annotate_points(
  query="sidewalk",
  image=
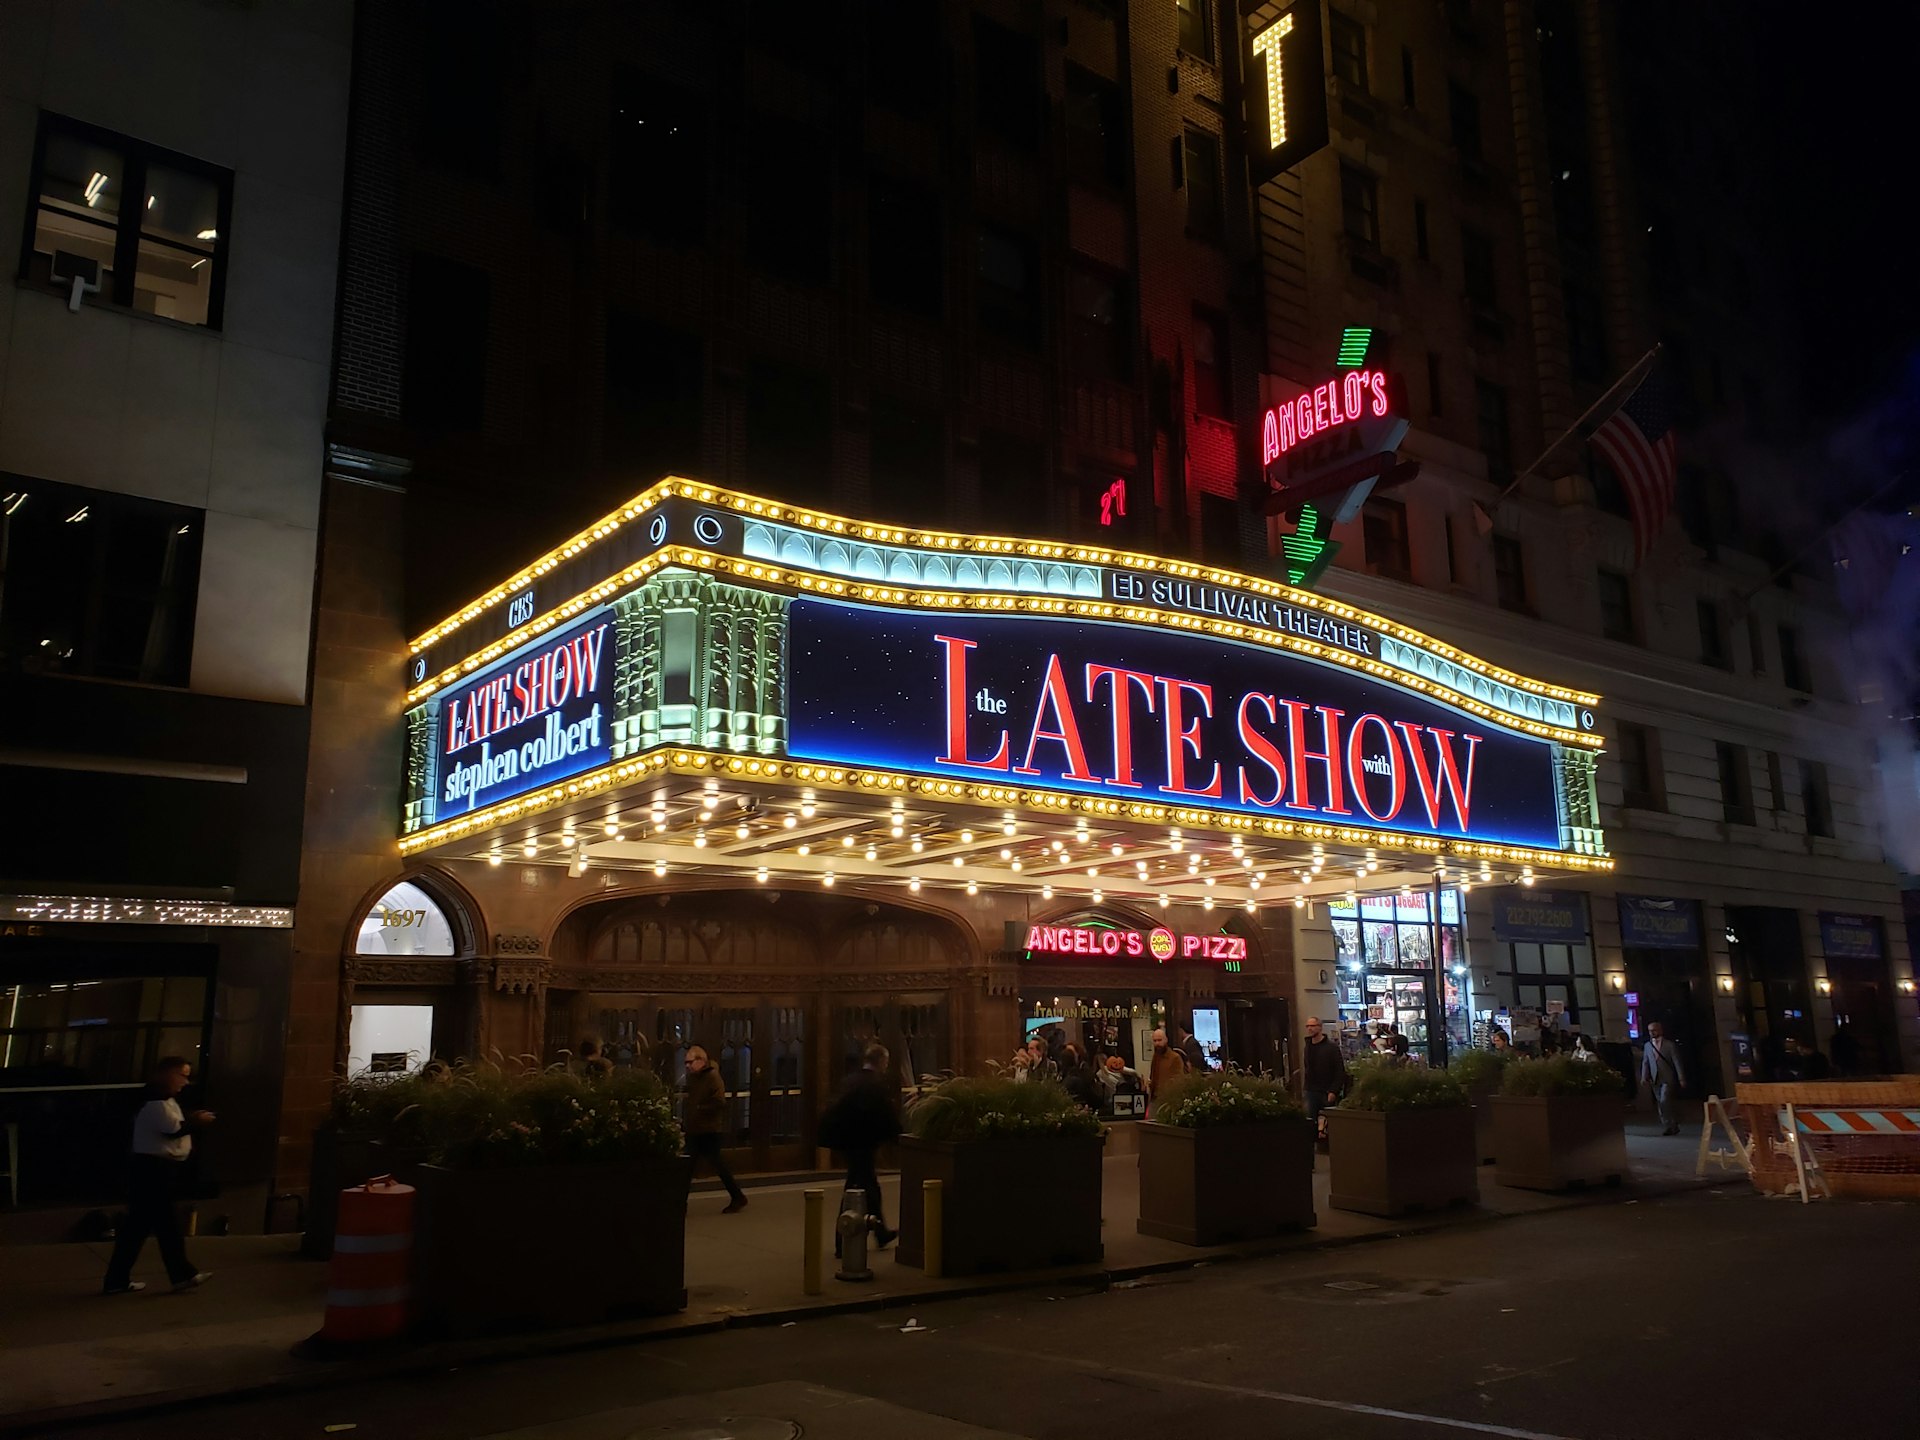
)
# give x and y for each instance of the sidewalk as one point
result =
(66, 1351)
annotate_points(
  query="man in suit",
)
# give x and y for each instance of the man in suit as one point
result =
(1660, 1067)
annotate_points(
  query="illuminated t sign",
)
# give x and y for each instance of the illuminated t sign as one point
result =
(1286, 88)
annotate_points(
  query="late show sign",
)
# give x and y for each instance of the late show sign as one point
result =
(541, 715)
(1159, 944)
(1173, 718)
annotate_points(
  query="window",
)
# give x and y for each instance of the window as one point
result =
(657, 159)
(443, 375)
(1496, 441)
(1201, 164)
(1360, 206)
(1756, 645)
(1463, 119)
(789, 426)
(1536, 975)
(1642, 777)
(906, 247)
(1793, 668)
(1096, 130)
(1013, 473)
(1776, 786)
(97, 583)
(1406, 76)
(1713, 635)
(907, 462)
(789, 230)
(1196, 28)
(145, 225)
(1212, 370)
(1815, 799)
(1477, 268)
(1616, 606)
(651, 418)
(106, 1029)
(1436, 392)
(1509, 573)
(1007, 295)
(1349, 50)
(1383, 530)
(1006, 83)
(1736, 782)
(1099, 324)
(1219, 529)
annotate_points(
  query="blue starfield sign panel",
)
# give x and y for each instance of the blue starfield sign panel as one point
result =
(1170, 718)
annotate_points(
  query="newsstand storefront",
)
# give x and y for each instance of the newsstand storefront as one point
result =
(723, 771)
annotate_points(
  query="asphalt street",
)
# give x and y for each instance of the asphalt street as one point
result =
(1710, 1314)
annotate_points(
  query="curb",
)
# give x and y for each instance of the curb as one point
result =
(446, 1355)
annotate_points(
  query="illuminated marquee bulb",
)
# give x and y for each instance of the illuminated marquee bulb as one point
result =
(827, 879)
(1017, 866)
(918, 845)
(700, 840)
(790, 822)
(1207, 904)
(1267, 45)
(760, 875)
(566, 842)
(1093, 872)
(1046, 892)
(1008, 828)
(1164, 902)
(914, 884)
(872, 854)
(530, 849)
(1119, 849)
(1006, 854)
(966, 837)
(972, 888)
(807, 810)
(1299, 902)
(741, 832)
(1058, 845)
(613, 826)
(847, 841)
(1098, 897)
(898, 831)
(495, 858)
(659, 867)
(958, 862)
(806, 850)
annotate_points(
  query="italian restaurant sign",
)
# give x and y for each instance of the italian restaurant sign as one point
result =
(742, 628)
(1159, 944)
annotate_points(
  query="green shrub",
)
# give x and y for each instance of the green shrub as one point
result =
(491, 1117)
(1480, 1070)
(1223, 1097)
(1384, 1085)
(982, 1107)
(1561, 1075)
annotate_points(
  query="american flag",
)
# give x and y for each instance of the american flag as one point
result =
(1637, 442)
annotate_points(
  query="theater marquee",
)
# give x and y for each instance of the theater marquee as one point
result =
(700, 627)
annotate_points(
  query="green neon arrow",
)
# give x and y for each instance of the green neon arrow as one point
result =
(1308, 550)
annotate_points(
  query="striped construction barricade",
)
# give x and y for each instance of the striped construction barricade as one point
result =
(370, 1284)
(1857, 1139)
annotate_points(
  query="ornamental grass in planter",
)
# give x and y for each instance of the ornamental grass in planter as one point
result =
(1479, 1073)
(546, 1197)
(370, 1130)
(1560, 1122)
(1226, 1157)
(1401, 1140)
(1019, 1165)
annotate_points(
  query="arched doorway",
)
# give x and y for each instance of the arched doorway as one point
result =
(781, 988)
(402, 999)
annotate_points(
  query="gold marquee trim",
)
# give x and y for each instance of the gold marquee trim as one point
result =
(757, 507)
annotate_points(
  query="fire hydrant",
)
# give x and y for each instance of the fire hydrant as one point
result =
(852, 1227)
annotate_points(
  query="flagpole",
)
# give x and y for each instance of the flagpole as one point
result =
(1636, 372)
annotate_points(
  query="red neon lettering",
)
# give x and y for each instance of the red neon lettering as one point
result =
(1337, 402)
(1034, 940)
(586, 658)
(1134, 943)
(1269, 439)
(1378, 384)
(1321, 418)
(1054, 693)
(1351, 388)
(1190, 944)
(1181, 737)
(1329, 756)
(1122, 716)
(1357, 769)
(1110, 941)
(957, 711)
(1263, 750)
(1448, 779)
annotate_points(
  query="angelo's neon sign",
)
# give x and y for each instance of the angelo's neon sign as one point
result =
(1356, 395)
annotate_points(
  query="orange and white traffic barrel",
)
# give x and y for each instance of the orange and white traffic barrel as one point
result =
(370, 1284)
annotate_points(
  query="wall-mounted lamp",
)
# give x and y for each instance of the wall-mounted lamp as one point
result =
(1726, 983)
(1616, 980)
(1906, 987)
(1824, 985)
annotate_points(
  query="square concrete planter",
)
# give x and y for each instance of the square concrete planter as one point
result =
(1011, 1204)
(1226, 1182)
(1549, 1142)
(546, 1245)
(1387, 1162)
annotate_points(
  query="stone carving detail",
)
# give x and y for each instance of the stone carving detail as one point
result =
(408, 970)
(522, 977)
(663, 982)
(517, 945)
(1002, 973)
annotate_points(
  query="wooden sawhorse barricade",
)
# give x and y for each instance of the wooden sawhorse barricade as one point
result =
(1858, 1138)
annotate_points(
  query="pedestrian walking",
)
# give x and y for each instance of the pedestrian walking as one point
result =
(862, 1118)
(1166, 1063)
(1660, 1067)
(162, 1140)
(1190, 1051)
(705, 1119)
(1325, 1072)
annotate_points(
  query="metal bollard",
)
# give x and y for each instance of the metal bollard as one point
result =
(932, 1227)
(816, 1212)
(853, 1226)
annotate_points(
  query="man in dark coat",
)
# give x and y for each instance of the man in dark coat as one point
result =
(1325, 1071)
(861, 1119)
